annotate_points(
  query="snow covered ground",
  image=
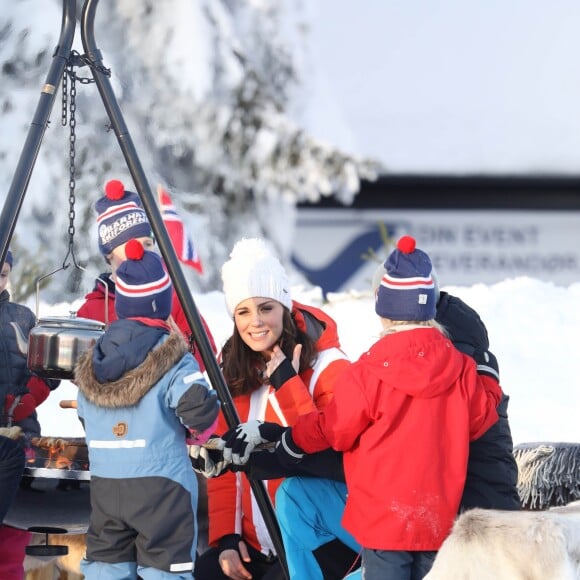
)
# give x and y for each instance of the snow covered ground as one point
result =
(532, 327)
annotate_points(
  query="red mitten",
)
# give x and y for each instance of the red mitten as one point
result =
(24, 406)
(38, 392)
(38, 389)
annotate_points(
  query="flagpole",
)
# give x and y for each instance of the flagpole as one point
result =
(182, 243)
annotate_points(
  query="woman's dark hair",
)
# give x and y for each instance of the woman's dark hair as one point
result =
(243, 368)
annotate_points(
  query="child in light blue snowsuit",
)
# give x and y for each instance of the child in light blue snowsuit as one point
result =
(141, 393)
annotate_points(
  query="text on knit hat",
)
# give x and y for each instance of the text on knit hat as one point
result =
(120, 217)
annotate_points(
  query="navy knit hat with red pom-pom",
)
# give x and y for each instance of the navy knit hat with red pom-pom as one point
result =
(121, 217)
(407, 289)
(142, 287)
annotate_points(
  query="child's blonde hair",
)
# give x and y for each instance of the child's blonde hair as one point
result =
(428, 323)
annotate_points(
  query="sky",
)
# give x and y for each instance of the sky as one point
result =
(532, 327)
(452, 86)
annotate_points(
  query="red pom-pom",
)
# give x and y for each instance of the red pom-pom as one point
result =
(407, 244)
(115, 189)
(134, 250)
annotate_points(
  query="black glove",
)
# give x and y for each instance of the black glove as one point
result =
(284, 372)
(287, 451)
(207, 462)
(241, 440)
(230, 542)
(486, 364)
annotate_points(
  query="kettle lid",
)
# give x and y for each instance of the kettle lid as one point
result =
(71, 322)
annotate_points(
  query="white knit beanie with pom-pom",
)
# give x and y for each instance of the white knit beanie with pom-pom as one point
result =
(253, 272)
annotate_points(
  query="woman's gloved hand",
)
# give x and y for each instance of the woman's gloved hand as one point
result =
(239, 442)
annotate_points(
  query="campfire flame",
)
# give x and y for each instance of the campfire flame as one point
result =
(56, 453)
(56, 459)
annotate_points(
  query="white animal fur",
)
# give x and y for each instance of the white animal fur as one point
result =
(507, 545)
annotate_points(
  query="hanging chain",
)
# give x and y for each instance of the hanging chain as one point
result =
(64, 97)
(69, 107)
(69, 97)
(72, 123)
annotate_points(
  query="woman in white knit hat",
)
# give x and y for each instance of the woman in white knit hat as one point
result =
(281, 361)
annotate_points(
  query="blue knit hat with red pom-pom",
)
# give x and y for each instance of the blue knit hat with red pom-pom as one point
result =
(407, 289)
(142, 286)
(121, 217)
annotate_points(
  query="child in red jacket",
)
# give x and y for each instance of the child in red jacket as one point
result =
(121, 218)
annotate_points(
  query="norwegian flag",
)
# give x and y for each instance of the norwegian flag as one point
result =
(180, 239)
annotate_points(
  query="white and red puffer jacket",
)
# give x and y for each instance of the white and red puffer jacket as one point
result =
(232, 509)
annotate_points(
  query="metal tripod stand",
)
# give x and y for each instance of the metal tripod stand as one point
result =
(21, 179)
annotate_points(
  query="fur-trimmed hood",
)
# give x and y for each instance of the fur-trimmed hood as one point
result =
(130, 388)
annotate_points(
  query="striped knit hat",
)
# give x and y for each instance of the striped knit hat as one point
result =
(407, 289)
(143, 287)
(120, 217)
